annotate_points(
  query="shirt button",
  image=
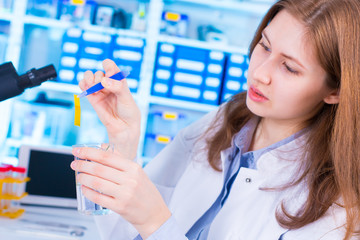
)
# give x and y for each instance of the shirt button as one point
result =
(248, 180)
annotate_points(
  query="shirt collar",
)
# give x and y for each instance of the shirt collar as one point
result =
(242, 139)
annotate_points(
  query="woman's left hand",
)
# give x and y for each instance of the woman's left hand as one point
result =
(122, 186)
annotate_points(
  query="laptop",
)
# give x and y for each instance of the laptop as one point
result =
(52, 181)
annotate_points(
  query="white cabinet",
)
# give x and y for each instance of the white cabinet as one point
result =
(211, 26)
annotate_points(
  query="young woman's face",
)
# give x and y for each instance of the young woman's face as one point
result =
(285, 81)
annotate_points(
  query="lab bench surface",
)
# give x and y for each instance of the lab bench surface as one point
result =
(39, 223)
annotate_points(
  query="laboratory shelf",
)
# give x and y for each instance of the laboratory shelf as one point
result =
(5, 16)
(201, 107)
(60, 87)
(235, 19)
(118, 31)
(253, 7)
(46, 22)
(70, 88)
(201, 44)
(54, 23)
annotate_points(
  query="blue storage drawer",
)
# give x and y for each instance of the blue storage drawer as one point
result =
(233, 86)
(166, 122)
(217, 57)
(213, 82)
(94, 52)
(234, 71)
(67, 75)
(96, 39)
(73, 35)
(210, 96)
(185, 93)
(128, 43)
(237, 59)
(190, 53)
(154, 143)
(70, 48)
(163, 75)
(93, 65)
(188, 79)
(189, 65)
(235, 76)
(164, 61)
(215, 69)
(95, 45)
(166, 49)
(68, 61)
(160, 88)
(132, 57)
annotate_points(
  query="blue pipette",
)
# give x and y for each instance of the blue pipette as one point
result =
(97, 87)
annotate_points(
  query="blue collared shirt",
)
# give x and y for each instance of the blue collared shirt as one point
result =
(239, 157)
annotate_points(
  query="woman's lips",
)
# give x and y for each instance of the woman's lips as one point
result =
(256, 95)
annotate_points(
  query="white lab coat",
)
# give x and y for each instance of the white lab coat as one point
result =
(190, 186)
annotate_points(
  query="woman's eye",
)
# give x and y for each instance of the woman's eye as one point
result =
(290, 69)
(264, 46)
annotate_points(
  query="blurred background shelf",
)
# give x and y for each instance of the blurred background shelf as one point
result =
(182, 104)
(246, 7)
(55, 23)
(5, 16)
(186, 58)
(60, 87)
(202, 44)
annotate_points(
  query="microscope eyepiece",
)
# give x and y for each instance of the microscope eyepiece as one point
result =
(35, 77)
(11, 84)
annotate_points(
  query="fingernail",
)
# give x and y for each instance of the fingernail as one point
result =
(73, 165)
(76, 151)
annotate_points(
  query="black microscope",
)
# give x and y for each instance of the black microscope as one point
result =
(11, 84)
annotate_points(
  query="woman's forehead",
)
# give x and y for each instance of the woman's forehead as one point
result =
(289, 36)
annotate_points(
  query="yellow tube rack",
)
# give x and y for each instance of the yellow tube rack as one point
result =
(8, 212)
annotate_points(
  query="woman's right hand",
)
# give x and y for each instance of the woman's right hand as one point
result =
(115, 107)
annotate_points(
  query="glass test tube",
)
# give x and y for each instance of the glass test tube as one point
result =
(7, 186)
(85, 206)
(18, 173)
(3, 173)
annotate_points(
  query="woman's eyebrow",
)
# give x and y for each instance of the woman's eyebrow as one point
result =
(263, 33)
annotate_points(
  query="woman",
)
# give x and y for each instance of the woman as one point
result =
(281, 161)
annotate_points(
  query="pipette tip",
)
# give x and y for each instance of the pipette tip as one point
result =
(125, 73)
(83, 94)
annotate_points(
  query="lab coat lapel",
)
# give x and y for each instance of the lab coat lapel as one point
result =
(249, 213)
(196, 191)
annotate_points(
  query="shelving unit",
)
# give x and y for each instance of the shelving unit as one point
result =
(19, 19)
(201, 44)
(6, 16)
(249, 7)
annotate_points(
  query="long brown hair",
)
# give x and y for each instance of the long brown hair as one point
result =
(332, 165)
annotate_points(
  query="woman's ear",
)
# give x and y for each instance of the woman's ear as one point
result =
(333, 97)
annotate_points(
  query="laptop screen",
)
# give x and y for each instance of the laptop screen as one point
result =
(52, 181)
(51, 175)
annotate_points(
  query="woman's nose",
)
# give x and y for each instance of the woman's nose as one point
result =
(262, 72)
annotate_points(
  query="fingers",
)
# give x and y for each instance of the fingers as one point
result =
(115, 86)
(87, 81)
(110, 67)
(98, 184)
(100, 171)
(98, 76)
(108, 201)
(105, 158)
(112, 85)
(90, 79)
(96, 197)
